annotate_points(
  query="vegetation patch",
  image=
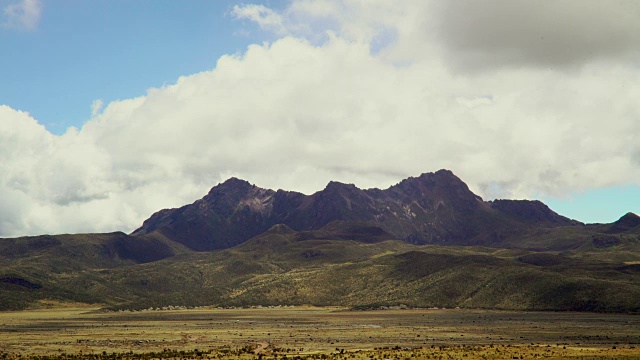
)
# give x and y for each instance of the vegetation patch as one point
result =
(24, 283)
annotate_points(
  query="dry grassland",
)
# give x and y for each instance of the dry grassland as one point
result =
(310, 332)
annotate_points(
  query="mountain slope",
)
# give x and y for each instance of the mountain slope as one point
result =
(32, 268)
(434, 208)
(282, 267)
(343, 263)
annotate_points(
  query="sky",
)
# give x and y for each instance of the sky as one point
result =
(111, 110)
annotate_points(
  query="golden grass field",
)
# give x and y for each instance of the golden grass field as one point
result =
(312, 332)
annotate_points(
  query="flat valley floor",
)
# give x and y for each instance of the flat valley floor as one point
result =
(313, 332)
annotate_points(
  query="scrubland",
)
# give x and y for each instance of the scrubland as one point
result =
(316, 333)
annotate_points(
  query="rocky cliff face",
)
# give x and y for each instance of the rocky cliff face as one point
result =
(434, 208)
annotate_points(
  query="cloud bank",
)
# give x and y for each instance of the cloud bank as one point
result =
(566, 33)
(362, 94)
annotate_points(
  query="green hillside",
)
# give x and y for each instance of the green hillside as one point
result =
(325, 267)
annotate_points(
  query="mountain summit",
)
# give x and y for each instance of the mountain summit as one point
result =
(433, 208)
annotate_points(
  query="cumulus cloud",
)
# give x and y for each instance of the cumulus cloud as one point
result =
(355, 107)
(24, 14)
(59, 184)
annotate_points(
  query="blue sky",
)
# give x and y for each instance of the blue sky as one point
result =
(147, 104)
(598, 205)
(82, 51)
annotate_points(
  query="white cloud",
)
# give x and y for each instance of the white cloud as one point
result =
(96, 106)
(24, 14)
(357, 107)
(263, 16)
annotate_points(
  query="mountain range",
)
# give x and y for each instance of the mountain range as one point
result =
(426, 241)
(434, 208)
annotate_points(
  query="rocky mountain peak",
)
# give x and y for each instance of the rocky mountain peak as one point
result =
(231, 185)
(337, 186)
(440, 181)
(225, 197)
(436, 189)
(431, 208)
(338, 189)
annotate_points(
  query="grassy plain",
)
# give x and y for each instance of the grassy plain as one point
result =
(313, 332)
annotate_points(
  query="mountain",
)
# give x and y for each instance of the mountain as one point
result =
(434, 208)
(426, 241)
